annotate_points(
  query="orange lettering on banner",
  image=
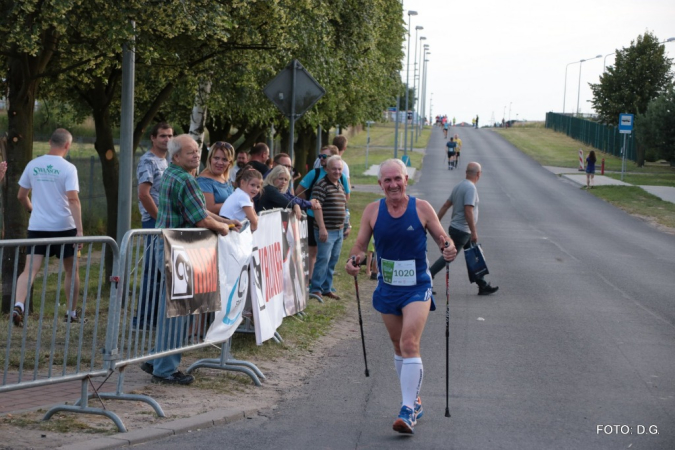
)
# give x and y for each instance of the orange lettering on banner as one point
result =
(205, 268)
(272, 269)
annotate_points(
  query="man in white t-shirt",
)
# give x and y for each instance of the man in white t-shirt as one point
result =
(55, 212)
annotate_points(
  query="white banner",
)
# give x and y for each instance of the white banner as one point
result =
(295, 298)
(234, 253)
(266, 274)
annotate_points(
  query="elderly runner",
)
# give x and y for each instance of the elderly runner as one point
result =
(403, 295)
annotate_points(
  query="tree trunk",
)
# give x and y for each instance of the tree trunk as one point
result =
(21, 97)
(199, 112)
(110, 169)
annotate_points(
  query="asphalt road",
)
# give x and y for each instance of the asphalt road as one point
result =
(580, 335)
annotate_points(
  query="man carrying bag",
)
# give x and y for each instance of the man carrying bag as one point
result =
(462, 228)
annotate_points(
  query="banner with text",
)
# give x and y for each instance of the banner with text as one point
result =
(266, 274)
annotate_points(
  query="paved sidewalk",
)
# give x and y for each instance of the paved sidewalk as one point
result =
(666, 193)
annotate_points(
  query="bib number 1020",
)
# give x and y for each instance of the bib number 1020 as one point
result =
(399, 273)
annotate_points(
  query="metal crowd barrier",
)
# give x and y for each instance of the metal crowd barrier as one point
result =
(47, 349)
(134, 334)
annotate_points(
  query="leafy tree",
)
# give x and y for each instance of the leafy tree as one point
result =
(639, 74)
(656, 127)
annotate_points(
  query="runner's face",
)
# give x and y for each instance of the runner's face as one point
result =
(393, 182)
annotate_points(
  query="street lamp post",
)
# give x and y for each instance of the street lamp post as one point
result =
(566, 67)
(407, 87)
(414, 91)
(579, 85)
(424, 87)
(419, 87)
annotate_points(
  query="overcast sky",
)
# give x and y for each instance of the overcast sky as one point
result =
(486, 57)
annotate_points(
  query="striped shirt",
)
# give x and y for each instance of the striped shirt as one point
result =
(181, 201)
(333, 203)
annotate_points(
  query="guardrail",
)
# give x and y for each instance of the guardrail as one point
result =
(134, 335)
(47, 350)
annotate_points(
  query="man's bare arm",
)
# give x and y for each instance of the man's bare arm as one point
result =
(146, 199)
(468, 213)
(24, 199)
(444, 209)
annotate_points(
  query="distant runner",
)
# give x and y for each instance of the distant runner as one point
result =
(458, 150)
(452, 145)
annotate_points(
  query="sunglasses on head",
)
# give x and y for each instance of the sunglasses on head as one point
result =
(221, 144)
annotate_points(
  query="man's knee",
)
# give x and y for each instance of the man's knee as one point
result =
(409, 346)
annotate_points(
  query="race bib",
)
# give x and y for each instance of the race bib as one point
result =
(399, 273)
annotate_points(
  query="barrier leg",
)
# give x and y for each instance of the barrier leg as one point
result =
(120, 395)
(82, 407)
(225, 362)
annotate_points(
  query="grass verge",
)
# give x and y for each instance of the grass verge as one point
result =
(380, 149)
(550, 148)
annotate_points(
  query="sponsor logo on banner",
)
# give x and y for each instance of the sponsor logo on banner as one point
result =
(234, 254)
(191, 258)
(182, 274)
(236, 298)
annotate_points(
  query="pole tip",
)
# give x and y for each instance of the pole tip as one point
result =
(447, 413)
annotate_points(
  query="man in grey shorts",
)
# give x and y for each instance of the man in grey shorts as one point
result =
(462, 228)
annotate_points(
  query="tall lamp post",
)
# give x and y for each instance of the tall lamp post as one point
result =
(407, 87)
(579, 85)
(414, 92)
(565, 90)
(419, 87)
(424, 88)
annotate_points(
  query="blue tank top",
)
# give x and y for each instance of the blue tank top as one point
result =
(401, 239)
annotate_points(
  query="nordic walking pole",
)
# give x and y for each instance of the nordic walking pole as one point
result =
(447, 337)
(358, 303)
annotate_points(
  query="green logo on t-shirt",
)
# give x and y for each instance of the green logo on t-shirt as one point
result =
(49, 170)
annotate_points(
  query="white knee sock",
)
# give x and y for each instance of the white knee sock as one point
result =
(398, 362)
(412, 373)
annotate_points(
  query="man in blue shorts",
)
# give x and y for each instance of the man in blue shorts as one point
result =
(399, 224)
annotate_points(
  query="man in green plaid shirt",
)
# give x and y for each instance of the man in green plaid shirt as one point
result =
(181, 205)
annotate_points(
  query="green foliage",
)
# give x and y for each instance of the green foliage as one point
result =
(639, 74)
(656, 127)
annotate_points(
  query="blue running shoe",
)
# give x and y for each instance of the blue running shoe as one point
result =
(405, 423)
(419, 411)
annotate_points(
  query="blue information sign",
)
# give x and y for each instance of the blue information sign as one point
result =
(626, 123)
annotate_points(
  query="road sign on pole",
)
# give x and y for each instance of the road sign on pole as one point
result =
(294, 91)
(626, 123)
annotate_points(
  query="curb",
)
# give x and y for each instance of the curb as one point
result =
(159, 431)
